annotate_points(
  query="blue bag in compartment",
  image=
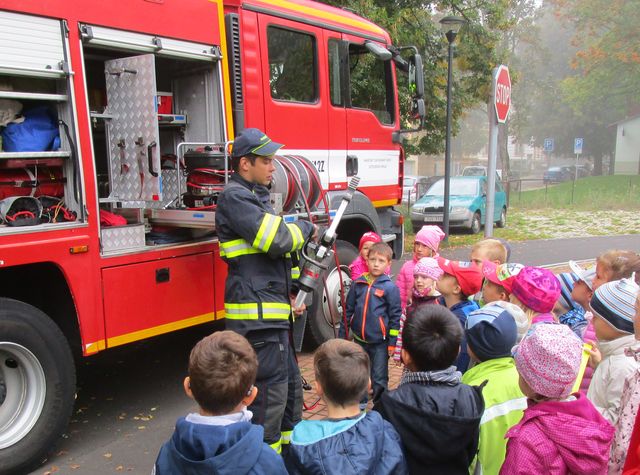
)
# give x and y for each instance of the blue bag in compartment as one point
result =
(38, 133)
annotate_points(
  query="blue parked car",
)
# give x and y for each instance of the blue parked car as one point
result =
(468, 202)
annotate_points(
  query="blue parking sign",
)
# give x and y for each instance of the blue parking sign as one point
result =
(548, 145)
(577, 145)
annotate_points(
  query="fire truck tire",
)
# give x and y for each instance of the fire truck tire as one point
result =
(37, 386)
(326, 311)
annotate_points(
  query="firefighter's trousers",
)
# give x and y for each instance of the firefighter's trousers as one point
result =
(278, 406)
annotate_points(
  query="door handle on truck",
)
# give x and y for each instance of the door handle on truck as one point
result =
(352, 165)
(150, 148)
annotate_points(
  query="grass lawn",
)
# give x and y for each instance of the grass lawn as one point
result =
(591, 193)
(602, 205)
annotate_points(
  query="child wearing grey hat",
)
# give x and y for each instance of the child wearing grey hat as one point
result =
(613, 307)
(491, 333)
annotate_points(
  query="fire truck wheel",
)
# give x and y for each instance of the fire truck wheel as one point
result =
(326, 311)
(37, 386)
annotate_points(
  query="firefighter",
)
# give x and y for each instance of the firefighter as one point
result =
(258, 246)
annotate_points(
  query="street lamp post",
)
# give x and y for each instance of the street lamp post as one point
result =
(450, 26)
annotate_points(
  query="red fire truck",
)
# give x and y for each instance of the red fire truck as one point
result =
(116, 119)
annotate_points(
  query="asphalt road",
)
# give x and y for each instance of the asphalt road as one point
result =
(129, 397)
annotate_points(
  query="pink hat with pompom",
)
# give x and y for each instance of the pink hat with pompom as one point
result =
(430, 236)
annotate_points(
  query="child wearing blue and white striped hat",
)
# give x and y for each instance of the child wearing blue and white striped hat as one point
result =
(613, 307)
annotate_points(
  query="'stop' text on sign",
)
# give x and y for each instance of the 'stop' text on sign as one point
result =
(502, 93)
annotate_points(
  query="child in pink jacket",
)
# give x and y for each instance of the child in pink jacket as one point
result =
(359, 266)
(559, 433)
(425, 244)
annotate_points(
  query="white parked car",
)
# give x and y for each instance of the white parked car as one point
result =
(413, 187)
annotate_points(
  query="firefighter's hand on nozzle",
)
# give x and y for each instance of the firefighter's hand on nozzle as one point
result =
(297, 311)
(314, 236)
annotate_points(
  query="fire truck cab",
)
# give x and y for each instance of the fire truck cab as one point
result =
(116, 120)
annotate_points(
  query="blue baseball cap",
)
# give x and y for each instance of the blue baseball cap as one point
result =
(254, 141)
(491, 332)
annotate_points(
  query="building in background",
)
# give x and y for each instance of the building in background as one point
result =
(627, 154)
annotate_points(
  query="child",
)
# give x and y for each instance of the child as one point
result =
(567, 310)
(559, 433)
(613, 307)
(220, 437)
(497, 280)
(459, 281)
(425, 274)
(348, 441)
(373, 315)
(616, 265)
(491, 333)
(490, 249)
(425, 245)
(536, 291)
(359, 266)
(436, 415)
(623, 441)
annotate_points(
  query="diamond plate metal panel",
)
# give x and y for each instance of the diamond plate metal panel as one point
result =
(133, 131)
(118, 238)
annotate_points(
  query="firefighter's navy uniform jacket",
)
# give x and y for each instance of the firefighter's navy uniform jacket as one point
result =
(257, 245)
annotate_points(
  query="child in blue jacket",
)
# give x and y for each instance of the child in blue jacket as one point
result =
(220, 437)
(373, 315)
(348, 440)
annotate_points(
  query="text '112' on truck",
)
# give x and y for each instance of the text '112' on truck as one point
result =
(116, 121)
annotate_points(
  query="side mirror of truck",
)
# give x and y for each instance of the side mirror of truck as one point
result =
(416, 76)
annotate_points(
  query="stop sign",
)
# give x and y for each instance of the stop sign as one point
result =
(502, 93)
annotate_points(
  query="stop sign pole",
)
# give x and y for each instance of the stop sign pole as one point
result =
(501, 98)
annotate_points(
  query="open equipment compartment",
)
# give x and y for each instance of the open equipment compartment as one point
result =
(37, 161)
(146, 96)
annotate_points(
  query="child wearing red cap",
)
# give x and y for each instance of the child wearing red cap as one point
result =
(426, 244)
(459, 281)
(359, 266)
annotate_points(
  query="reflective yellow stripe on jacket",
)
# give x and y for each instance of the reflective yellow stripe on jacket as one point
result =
(249, 311)
(237, 247)
(296, 237)
(276, 310)
(241, 311)
(267, 232)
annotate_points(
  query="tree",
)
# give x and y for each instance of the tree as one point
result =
(415, 22)
(561, 97)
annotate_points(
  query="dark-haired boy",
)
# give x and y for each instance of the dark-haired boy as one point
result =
(349, 440)
(373, 315)
(459, 281)
(220, 437)
(436, 415)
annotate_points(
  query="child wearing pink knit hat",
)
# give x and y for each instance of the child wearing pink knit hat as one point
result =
(425, 274)
(559, 432)
(426, 244)
(359, 266)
